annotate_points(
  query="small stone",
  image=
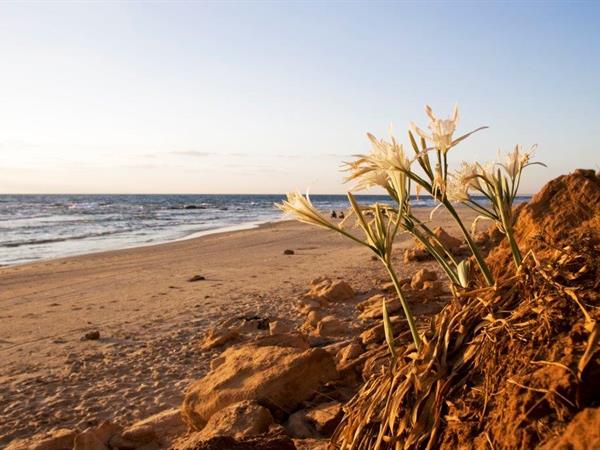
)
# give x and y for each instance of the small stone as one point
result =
(288, 252)
(350, 352)
(278, 327)
(421, 276)
(325, 417)
(91, 336)
(215, 337)
(196, 278)
(331, 326)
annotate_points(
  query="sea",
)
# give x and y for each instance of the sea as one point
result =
(39, 227)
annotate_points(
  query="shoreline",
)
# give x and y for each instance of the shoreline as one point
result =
(194, 235)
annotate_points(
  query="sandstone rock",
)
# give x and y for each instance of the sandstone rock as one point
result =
(298, 427)
(448, 241)
(278, 327)
(582, 433)
(288, 252)
(331, 326)
(330, 290)
(295, 340)
(416, 254)
(311, 444)
(421, 276)
(350, 352)
(267, 442)
(240, 420)
(96, 438)
(310, 302)
(319, 421)
(61, 439)
(161, 428)
(371, 308)
(276, 377)
(312, 319)
(325, 417)
(215, 337)
(196, 278)
(376, 334)
(432, 285)
(91, 336)
(250, 324)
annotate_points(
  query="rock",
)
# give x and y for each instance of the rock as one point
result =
(450, 242)
(91, 336)
(61, 439)
(376, 334)
(329, 290)
(416, 254)
(310, 303)
(295, 340)
(239, 420)
(267, 442)
(319, 421)
(350, 352)
(215, 337)
(582, 433)
(325, 417)
(196, 278)
(96, 438)
(433, 288)
(276, 377)
(311, 444)
(253, 323)
(161, 428)
(331, 326)
(298, 427)
(278, 327)
(372, 307)
(312, 319)
(421, 276)
(288, 252)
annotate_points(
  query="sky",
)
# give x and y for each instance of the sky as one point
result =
(268, 97)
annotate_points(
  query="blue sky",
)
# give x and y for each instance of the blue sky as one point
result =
(268, 97)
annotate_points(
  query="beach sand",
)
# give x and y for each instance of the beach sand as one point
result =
(150, 317)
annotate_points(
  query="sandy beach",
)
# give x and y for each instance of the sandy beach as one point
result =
(150, 317)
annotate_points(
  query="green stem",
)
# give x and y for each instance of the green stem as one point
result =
(407, 312)
(507, 225)
(514, 248)
(474, 249)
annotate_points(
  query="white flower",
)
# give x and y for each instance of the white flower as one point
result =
(303, 210)
(374, 168)
(441, 129)
(387, 155)
(517, 160)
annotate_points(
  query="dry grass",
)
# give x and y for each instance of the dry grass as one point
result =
(501, 360)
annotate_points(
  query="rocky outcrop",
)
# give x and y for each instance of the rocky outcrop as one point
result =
(276, 377)
(61, 439)
(197, 442)
(421, 277)
(240, 420)
(160, 429)
(327, 290)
